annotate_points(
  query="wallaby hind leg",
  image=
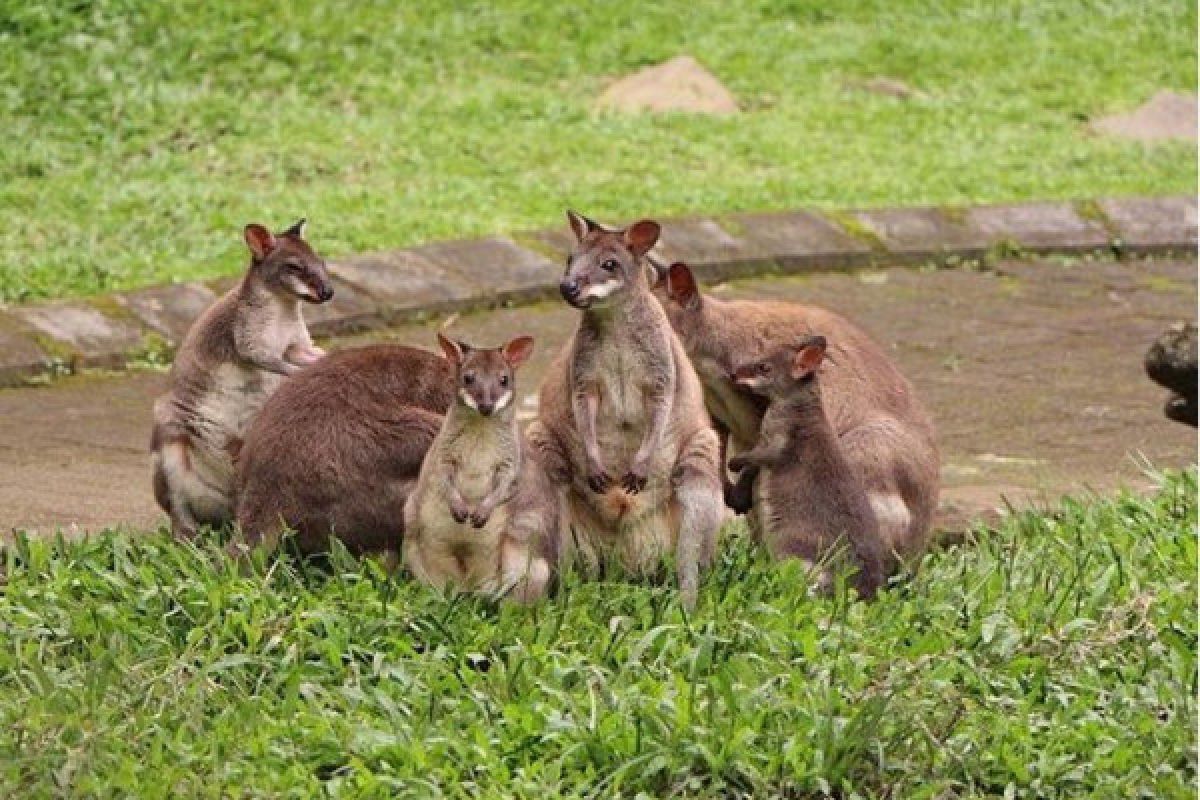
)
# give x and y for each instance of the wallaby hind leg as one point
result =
(172, 476)
(698, 496)
(523, 574)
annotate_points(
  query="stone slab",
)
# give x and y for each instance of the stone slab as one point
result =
(350, 310)
(797, 240)
(20, 356)
(498, 268)
(1038, 227)
(169, 310)
(920, 234)
(402, 280)
(1153, 224)
(94, 339)
(704, 245)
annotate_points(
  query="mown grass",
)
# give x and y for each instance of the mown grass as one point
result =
(139, 136)
(1053, 657)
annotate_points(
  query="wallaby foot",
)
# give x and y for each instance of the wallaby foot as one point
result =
(524, 576)
(697, 490)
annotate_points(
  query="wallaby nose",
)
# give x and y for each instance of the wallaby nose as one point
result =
(569, 288)
(487, 408)
(326, 294)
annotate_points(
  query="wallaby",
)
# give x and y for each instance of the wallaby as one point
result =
(808, 496)
(885, 434)
(232, 359)
(483, 516)
(621, 420)
(335, 452)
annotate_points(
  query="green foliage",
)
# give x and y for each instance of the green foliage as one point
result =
(1054, 657)
(140, 136)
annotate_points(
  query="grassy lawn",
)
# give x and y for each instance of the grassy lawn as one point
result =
(1054, 657)
(139, 136)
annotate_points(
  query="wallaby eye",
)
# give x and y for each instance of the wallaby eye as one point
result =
(764, 368)
(504, 380)
(469, 378)
(294, 267)
(610, 264)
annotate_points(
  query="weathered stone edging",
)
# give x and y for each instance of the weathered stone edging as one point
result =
(381, 289)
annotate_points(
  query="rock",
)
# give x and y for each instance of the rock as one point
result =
(1167, 115)
(1171, 362)
(890, 87)
(680, 84)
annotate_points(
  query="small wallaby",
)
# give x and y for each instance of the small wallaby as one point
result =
(808, 496)
(621, 420)
(884, 431)
(336, 451)
(482, 516)
(232, 359)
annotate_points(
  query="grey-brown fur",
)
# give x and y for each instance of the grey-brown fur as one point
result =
(811, 503)
(483, 516)
(885, 434)
(621, 422)
(233, 357)
(336, 451)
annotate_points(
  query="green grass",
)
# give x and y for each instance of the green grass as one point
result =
(1053, 657)
(140, 136)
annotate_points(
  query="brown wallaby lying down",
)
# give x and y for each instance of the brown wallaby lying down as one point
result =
(337, 449)
(621, 420)
(809, 499)
(232, 359)
(884, 432)
(483, 515)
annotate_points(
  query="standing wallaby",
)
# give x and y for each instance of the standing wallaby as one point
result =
(808, 496)
(336, 451)
(884, 432)
(483, 515)
(232, 359)
(621, 420)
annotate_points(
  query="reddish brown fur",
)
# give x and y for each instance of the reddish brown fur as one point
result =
(809, 499)
(885, 433)
(337, 449)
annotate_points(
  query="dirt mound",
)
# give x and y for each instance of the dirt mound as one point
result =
(1167, 115)
(681, 84)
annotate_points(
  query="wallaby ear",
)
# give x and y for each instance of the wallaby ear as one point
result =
(808, 356)
(297, 229)
(518, 351)
(681, 286)
(641, 236)
(260, 240)
(452, 349)
(580, 224)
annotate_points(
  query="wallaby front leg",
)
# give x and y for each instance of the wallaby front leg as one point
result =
(585, 404)
(739, 495)
(454, 498)
(660, 413)
(302, 355)
(275, 364)
(498, 493)
(765, 455)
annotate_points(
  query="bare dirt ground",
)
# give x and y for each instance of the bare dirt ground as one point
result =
(1032, 372)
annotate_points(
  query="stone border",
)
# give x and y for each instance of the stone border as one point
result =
(383, 289)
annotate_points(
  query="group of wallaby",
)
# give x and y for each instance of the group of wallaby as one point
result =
(397, 450)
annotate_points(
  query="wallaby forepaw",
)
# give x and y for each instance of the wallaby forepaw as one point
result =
(479, 519)
(740, 501)
(633, 482)
(459, 514)
(599, 481)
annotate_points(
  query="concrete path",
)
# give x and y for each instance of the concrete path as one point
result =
(1033, 374)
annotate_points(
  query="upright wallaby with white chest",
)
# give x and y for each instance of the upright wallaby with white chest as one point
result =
(483, 516)
(808, 497)
(621, 420)
(232, 359)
